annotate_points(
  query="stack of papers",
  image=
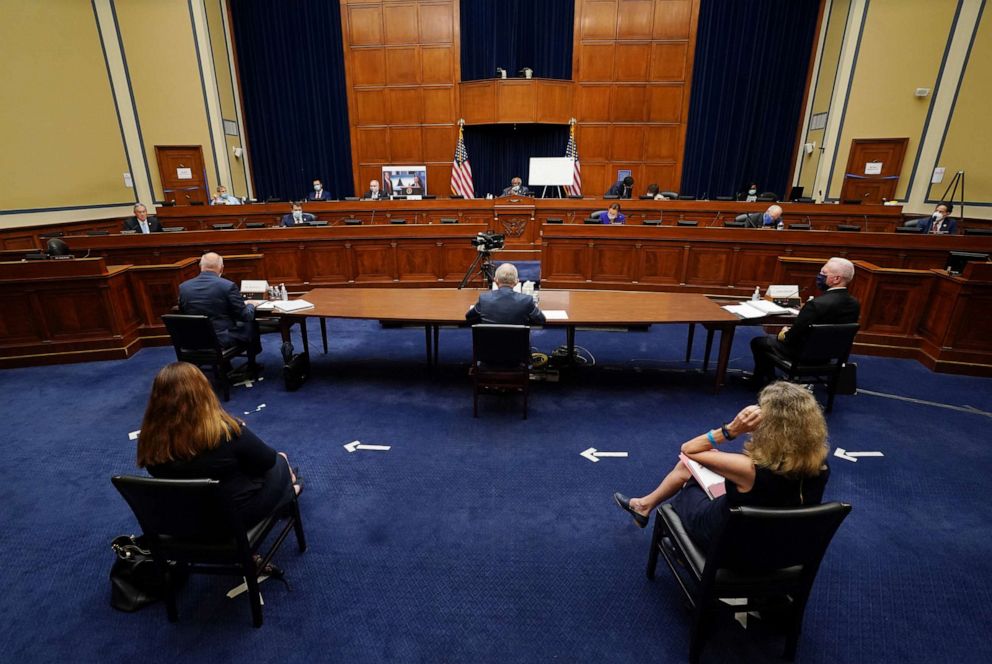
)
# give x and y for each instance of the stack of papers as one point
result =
(757, 309)
(285, 306)
(555, 314)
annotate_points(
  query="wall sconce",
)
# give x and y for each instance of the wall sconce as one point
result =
(527, 72)
(500, 72)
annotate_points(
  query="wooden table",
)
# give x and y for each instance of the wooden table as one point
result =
(434, 307)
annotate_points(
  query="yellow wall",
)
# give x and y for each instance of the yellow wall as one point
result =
(823, 89)
(215, 10)
(901, 50)
(968, 144)
(165, 79)
(60, 137)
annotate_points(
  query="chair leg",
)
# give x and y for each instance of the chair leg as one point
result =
(698, 633)
(831, 391)
(301, 539)
(656, 535)
(169, 590)
(254, 596)
(222, 379)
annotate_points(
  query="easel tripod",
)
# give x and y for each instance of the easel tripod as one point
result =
(952, 187)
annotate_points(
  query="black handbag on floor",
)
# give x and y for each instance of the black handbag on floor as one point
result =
(847, 381)
(135, 581)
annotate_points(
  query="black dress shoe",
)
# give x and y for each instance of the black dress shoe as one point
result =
(624, 502)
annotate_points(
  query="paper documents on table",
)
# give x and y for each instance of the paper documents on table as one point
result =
(254, 285)
(756, 309)
(556, 314)
(285, 306)
(712, 483)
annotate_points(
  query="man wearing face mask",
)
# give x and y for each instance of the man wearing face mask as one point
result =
(318, 193)
(297, 216)
(940, 222)
(374, 193)
(516, 188)
(834, 306)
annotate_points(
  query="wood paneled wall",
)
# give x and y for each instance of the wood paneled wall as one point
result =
(632, 65)
(632, 70)
(401, 64)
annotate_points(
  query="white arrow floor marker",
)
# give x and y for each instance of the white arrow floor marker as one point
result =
(841, 453)
(595, 456)
(356, 445)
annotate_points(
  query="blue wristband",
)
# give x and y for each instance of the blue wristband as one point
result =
(709, 437)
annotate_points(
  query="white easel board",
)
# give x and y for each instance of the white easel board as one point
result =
(550, 172)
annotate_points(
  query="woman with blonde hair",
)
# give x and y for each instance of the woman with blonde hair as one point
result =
(782, 465)
(186, 434)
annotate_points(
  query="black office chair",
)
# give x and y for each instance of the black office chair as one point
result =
(554, 220)
(195, 341)
(652, 222)
(907, 229)
(823, 356)
(194, 524)
(800, 227)
(852, 201)
(449, 220)
(673, 195)
(768, 556)
(173, 229)
(687, 222)
(352, 222)
(97, 232)
(978, 231)
(768, 196)
(500, 360)
(222, 227)
(853, 228)
(397, 221)
(255, 224)
(686, 197)
(611, 197)
(724, 198)
(727, 223)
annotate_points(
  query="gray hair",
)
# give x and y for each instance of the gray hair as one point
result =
(139, 205)
(774, 210)
(506, 275)
(211, 262)
(842, 268)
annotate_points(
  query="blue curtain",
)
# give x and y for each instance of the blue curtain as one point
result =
(500, 152)
(747, 92)
(291, 65)
(514, 34)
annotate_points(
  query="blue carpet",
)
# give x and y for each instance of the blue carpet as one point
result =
(491, 539)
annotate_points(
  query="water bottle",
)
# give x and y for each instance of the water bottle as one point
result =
(756, 295)
(283, 295)
(780, 225)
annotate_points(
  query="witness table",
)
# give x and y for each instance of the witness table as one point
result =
(434, 307)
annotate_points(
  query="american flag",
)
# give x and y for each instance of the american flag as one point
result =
(461, 170)
(572, 152)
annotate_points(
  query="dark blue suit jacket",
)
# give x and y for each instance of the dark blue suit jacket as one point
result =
(322, 196)
(604, 218)
(505, 307)
(618, 189)
(836, 306)
(287, 219)
(211, 295)
(949, 225)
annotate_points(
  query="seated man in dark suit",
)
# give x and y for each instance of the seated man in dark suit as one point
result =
(516, 188)
(940, 222)
(233, 319)
(622, 188)
(141, 222)
(835, 306)
(375, 193)
(297, 216)
(318, 193)
(770, 218)
(504, 305)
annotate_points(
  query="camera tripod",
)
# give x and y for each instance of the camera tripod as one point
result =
(484, 265)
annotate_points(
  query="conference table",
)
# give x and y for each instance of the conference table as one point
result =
(436, 307)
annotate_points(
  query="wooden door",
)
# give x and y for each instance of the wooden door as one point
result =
(181, 171)
(873, 169)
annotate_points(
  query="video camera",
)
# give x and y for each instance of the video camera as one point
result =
(485, 242)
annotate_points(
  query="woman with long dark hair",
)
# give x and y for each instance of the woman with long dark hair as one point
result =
(186, 434)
